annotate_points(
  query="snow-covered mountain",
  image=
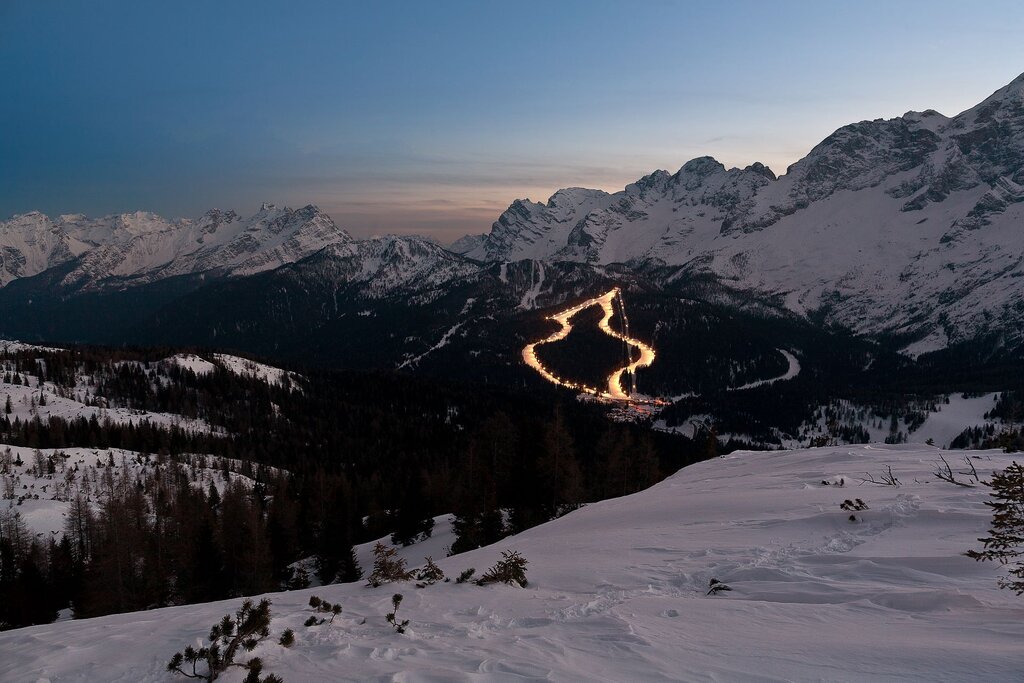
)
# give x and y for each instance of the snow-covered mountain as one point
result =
(141, 247)
(31, 243)
(385, 266)
(910, 225)
(467, 243)
(618, 591)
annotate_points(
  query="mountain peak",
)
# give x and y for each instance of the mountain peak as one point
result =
(570, 195)
(1016, 85)
(1007, 101)
(702, 166)
(29, 216)
(761, 170)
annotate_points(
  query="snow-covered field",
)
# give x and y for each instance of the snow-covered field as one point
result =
(436, 546)
(617, 592)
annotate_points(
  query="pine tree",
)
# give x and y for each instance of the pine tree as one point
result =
(387, 566)
(510, 569)
(250, 626)
(1006, 540)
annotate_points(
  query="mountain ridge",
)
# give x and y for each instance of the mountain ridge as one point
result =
(903, 226)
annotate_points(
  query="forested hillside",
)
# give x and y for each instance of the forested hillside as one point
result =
(310, 463)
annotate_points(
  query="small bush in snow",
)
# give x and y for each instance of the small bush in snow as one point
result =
(287, 638)
(510, 569)
(392, 616)
(856, 504)
(324, 607)
(387, 566)
(429, 574)
(250, 625)
(715, 587)
(466, 576)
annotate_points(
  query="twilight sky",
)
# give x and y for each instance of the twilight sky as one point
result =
(431, 117)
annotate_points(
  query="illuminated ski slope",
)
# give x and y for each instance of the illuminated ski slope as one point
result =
(614, 389)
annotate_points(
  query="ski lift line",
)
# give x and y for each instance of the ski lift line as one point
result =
(614, 389)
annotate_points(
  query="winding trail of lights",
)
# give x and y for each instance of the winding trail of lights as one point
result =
(614, 389)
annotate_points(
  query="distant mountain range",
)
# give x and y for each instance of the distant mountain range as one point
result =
(137, 248)
(909, 231)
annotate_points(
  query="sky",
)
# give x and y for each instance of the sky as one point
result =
(431, 117)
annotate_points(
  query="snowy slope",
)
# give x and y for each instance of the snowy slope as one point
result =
(235, 364)
(617, 593)
(909, 225)
(43, 498)
(31, 243)
(29, 400)
(944, 421)
(384, 266)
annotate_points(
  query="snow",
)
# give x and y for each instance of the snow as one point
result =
(529, 300)
(144, 247)
(414, 360)
(250, 368)
(435, 547)
(190, 361)
(792, 371)
(235, 364)
(954, 417)
(934, 341)
(43, 499)
(25, 405)
(617, 593)
(11, 346)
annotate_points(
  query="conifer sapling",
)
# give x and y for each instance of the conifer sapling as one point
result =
(1005, 542)
(250, 626)
(387, 566)
(392, 616)
(510, 569)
